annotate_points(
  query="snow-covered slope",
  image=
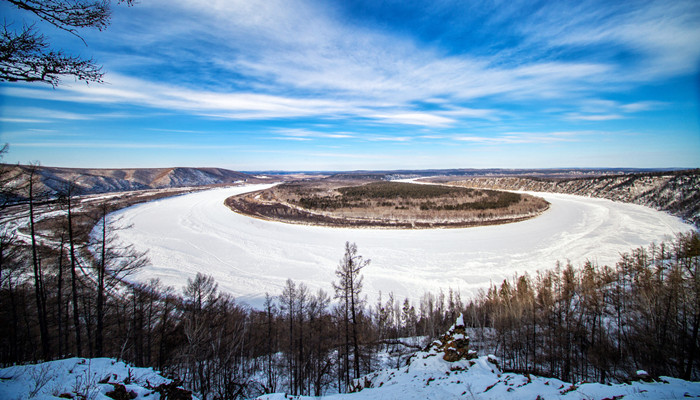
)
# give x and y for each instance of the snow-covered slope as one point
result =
(248, 257)
(88, 379)
(448, 370)
(676, 192)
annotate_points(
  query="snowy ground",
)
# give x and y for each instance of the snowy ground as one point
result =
(248, 257)
(430, 377)
(79, 378)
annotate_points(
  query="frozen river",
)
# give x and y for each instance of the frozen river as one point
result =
(248, 257)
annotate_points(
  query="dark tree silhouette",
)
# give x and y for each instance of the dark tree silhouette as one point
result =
(26, 54)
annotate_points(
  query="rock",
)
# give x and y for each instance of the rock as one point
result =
(454, 344)
(172, 391)
(120, 393)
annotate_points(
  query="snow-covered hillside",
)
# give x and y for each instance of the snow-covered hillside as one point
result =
(248, 257)
(673, 192)
(449, 370)
(86, 379)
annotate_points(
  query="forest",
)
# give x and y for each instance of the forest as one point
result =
(66, 292)
(400, 195)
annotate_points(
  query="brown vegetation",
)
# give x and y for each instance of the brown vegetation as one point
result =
(601, 323)
(386, 204)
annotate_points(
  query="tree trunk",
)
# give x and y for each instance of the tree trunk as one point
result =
(74, 277)
(38, 284)
(356, 349)
(100, 290)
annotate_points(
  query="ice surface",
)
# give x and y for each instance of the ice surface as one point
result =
(248, 257)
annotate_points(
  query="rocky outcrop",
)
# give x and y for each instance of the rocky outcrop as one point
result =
(454, 345)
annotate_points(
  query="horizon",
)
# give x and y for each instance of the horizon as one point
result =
(401, 170)
(304, 85)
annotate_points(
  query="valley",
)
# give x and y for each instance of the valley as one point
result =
(250, 256)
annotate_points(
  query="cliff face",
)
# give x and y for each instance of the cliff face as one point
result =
(677, 193)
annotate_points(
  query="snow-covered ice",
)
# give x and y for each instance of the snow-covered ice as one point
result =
(248, 257)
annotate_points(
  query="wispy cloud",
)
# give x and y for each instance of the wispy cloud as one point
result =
(607, 110)
(414, 118)
(291, 59)
(122, 145)
(24, 120)
(594, 117)
(332, 73)
(525, 137)
(305, 134)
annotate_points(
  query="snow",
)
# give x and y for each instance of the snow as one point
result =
(426, 376)
(248, 256)
(430, 377)
(76, 376)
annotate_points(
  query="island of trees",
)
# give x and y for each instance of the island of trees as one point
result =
(386, 204)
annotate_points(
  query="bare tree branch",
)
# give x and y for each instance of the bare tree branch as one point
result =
(26, 56)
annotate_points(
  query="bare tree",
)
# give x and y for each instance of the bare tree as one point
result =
(66, 197)
(348, 290)
(38, 274)
(113, 264)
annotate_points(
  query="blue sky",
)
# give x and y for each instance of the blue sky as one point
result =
(344, 85)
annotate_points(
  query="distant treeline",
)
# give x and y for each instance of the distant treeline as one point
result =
(494, 200)
(392, 190)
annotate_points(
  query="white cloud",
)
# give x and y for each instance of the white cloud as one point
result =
(38, 114)
(304, 134)
(291, 58)
(642, 106)
(415, 118)
(595, 117)
(525, 137)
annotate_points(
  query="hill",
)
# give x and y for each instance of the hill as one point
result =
(91, 181)
(676, 192)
